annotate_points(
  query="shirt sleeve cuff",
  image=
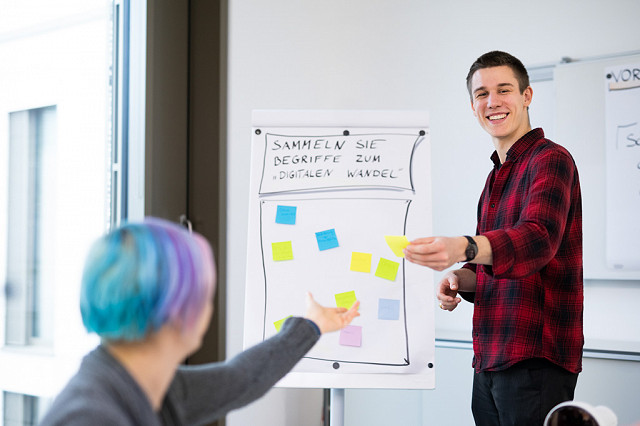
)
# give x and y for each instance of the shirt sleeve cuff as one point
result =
(502, 251)
(314, 326)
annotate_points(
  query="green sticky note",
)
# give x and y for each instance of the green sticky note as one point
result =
(360, 262)
(279, 323)
(387, 269)
(397, 243)
(346, 299)
(282, 251)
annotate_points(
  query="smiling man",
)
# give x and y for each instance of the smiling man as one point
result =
(523, 266)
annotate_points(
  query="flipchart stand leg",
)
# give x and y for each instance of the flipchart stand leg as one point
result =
(337, 407)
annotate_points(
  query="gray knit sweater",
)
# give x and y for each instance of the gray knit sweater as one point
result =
(103, 393)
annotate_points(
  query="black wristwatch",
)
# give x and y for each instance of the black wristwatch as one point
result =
(472, 249)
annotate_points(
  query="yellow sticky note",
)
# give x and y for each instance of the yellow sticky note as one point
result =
(397, 243)
(360, 262)
(279, 323)
(346, 299)
(282, 251)
(387, 269)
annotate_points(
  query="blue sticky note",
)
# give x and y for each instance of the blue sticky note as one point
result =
(327, 239)
(286, 215)
(388, 309)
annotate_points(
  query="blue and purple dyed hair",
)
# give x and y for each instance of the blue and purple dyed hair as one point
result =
(143, 275)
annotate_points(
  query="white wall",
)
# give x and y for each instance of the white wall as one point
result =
(408, 54)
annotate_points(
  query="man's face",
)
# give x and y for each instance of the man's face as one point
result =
(498, 104)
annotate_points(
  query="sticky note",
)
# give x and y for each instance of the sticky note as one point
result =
(351, 335)
(286, 215)
(327, 239)
(279, 323)
(360, 262)
(282, 251)
(388, 309)
(397, 243)
(346, 299)
(387, 269)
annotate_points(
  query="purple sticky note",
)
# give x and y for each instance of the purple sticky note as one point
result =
(351, 335)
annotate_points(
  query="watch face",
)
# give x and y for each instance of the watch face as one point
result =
(471, 251)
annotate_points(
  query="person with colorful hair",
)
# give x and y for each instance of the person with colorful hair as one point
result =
(147, 291)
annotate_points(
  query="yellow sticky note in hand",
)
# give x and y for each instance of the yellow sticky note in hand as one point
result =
(397, 243)
(346, 299)
(360, 262)
(282, 251)
(387, 269)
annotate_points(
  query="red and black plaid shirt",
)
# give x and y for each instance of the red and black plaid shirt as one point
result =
(529, 303)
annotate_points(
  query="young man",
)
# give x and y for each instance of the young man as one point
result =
(523, 269)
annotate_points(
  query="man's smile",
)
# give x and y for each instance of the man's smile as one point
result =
(497, 116)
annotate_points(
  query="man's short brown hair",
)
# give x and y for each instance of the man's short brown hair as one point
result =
(497, 58)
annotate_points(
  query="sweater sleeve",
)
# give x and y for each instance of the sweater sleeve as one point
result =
(204, 393)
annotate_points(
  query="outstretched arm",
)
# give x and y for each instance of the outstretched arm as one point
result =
(440, 253)
(207, 392)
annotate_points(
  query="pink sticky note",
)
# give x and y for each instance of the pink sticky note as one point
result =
(351, 335)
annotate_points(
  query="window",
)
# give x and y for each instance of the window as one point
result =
(21, 410)
(29, 229)
(56, 162)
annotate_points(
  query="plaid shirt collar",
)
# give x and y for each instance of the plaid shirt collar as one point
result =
(520, 146)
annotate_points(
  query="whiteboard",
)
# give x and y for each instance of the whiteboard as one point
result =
(622, 126)
(581, 126)
(326, 188)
